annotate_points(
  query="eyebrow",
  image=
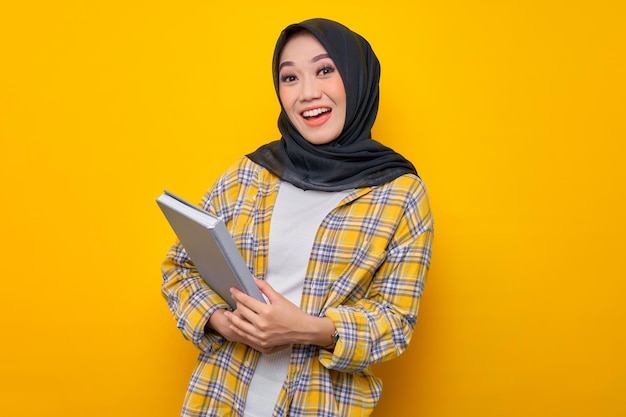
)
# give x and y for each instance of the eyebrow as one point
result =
(315, 59)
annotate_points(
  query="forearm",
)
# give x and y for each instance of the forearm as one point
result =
(316, 331)
(379, 327)
(190, 300)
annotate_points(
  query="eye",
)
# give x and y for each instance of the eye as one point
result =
(288, 78)
(325, 70)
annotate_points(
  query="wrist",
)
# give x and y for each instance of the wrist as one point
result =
(334, 338)
(214, 320)
(322, 332)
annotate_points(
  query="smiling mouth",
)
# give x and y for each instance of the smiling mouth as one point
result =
(314, 113)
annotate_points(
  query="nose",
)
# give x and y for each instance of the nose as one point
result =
(310, 89)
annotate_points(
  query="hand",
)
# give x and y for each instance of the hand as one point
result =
(274, 326)
(220, 321)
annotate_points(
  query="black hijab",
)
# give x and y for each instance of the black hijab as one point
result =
(353, 159)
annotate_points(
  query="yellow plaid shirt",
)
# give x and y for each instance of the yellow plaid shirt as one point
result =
(366, 273)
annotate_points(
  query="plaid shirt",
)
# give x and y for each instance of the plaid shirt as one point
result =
(366, 273)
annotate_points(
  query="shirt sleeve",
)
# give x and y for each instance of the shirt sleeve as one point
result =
(379, 326)
(190, 300)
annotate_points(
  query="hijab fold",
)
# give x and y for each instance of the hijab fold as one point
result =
(353, 159)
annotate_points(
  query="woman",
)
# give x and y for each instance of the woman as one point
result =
(337, 229)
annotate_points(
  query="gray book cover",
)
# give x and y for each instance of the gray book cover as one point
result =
(210, 247)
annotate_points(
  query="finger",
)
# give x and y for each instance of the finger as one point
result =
(268, 291)
(244, 299)
(241, 326)
(237, 313)
(245, 314)
(247, 338)
(272, 349)
(281, 347)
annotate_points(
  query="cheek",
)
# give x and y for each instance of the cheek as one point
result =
(339, 92)
(286, 97)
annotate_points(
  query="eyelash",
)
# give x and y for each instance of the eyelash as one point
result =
(325, 70)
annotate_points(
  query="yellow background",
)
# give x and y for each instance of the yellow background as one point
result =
(513, 113)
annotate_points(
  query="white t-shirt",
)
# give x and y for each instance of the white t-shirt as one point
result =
(295, 220)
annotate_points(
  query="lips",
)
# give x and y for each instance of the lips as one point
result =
(316, 116)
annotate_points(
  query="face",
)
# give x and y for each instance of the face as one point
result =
(311, 89)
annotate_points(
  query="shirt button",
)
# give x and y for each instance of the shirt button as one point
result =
(247, 364)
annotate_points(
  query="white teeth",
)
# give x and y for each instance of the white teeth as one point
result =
(315, 112)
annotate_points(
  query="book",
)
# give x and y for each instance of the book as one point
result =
(210, 247)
